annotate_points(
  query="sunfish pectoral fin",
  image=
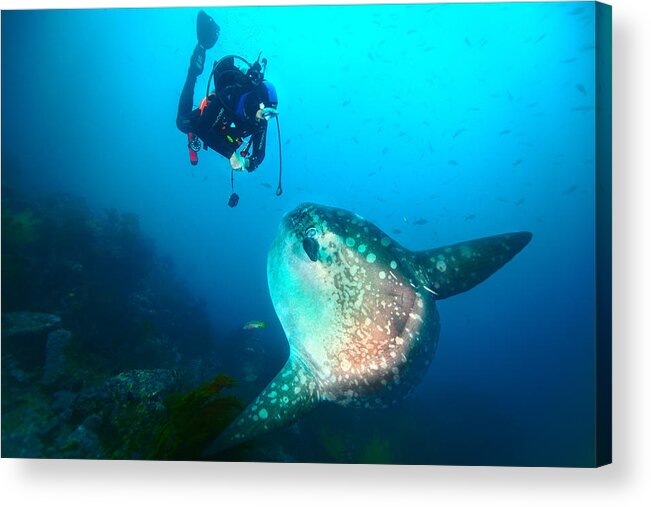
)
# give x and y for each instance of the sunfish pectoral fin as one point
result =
(290, 395)
(453, 269)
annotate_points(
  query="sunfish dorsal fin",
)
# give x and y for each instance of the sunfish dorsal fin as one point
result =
(453, 269)
(290, 395)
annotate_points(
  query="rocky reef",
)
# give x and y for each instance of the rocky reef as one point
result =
(105, 353)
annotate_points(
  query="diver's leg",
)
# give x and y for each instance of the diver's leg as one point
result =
(184, 114)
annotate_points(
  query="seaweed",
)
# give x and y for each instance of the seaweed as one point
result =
(195, 419)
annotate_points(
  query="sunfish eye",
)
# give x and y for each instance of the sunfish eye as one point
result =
(311, 248)
(310, 232)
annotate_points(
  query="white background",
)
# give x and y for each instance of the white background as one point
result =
(626, 482)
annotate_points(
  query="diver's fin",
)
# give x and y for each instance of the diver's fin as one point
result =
(290, 395)
(207, 30)
(453, 269)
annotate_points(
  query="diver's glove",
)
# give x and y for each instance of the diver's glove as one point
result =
(197, 61)
(269, 112)
(239, 163)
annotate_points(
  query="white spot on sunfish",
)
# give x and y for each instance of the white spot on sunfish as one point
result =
(385, 241)
(382, 275)
(350, 242)
(361, 248)
(393, 264)
(416, 316)
(370, 258)
(263, 413)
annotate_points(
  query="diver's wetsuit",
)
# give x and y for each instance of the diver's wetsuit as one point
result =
(219, 126)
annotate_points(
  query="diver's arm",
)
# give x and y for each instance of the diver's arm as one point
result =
(259, 141)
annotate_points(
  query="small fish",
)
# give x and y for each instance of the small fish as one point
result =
(472, 216)
(504, 132)
(355, 140)
(582, 108)
(569, 190)
(568, 60)
(265, 185)
(576, 11)
(345, 103)
(453, 162)
(396, 231)
(458, 132)
(468, 43)
(385, 150)
(420, 221)
(517, 162)
(540, 38)
(519, 201)
(581, 88)
(254, 324)
(509, 95)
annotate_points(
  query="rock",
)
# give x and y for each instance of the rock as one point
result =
(21, 445)
(82, 443)
(25, 424)
(55, 356)
(12, 372)
(22, 324)
(23, 336)
(125, 410)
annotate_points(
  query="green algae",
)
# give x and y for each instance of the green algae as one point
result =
(195, 419)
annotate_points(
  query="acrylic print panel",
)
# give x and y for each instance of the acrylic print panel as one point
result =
(392, 249)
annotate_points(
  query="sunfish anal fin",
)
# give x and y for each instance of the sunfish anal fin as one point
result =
(289, 396)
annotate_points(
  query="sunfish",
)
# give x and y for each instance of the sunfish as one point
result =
(359, 312)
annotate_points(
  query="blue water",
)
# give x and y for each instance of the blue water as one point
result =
(477, 118)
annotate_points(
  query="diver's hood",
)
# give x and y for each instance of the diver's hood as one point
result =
(249, 103)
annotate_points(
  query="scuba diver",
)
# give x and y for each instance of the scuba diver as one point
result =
(239, 107)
